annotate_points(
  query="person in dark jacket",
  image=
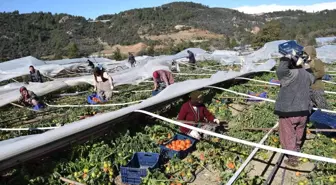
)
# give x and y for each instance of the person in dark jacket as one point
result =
(35, 75)
(131, 59)
(293, 104)
(91, 64)
(192, 60)
(27, 98)
(316, 67)
(195, 110)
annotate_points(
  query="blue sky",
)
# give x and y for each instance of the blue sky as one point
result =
(94, 8)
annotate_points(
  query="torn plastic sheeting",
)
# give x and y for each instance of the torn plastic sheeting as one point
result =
(269, 50)
(172, 91)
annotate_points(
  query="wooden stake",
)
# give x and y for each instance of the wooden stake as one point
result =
(71, 181)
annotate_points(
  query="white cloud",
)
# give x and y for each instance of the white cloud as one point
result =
(274, 7)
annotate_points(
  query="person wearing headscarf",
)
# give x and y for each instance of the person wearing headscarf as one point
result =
(103, 83)
(35, 75)
(27, 98)
(293, 104)
(162, 79)
(131, 59)
(195, 110)
(316, 67)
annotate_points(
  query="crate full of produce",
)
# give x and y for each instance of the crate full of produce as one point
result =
(179, 146)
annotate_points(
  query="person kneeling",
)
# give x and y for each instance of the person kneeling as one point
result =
(195, 110)
(103, 84)
(29, 99)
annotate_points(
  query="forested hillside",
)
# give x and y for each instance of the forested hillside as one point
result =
(61, 35)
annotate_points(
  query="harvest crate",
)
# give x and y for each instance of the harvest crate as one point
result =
(137, 167)
(287, 47)
(323, 120)
(169, 153)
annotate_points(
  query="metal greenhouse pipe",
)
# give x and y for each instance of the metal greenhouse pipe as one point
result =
(249, 158)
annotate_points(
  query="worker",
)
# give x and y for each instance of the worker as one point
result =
(91, 64)
(293, 104)
(162, 79)
(35, 75)
(28, 98)
(316, 67)
(192, 60)
(103, 83)
(131, 59)
(195, 110)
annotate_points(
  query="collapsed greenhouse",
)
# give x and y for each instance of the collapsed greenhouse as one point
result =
(73, 142)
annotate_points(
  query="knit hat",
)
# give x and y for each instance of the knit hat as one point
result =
(196, 96)
(156, 74)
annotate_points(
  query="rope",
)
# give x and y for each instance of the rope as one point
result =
(102, 105)
(189, 74)
(236, 140)
(249, 158)
(259, 98)
(21, 129)
(275, 84)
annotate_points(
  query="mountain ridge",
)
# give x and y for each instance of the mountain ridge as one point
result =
(63, 35)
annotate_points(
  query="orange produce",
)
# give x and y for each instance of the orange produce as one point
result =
(231, 165)
(178, 145)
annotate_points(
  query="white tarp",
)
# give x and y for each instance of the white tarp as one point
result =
(327, 53)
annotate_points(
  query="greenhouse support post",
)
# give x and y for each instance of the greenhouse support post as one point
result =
(249, 158)
(236, 140)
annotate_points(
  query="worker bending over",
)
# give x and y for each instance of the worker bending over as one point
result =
(316, 67)
(103, 83)
(29, 99)
(195, 110)
(293, 105)
(162, 79)
(35, 75)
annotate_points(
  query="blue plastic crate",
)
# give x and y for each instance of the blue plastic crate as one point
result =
(169, 153)
(138, 166)
(38, 107)
(323, 120)
(327, 78)
(94, 95)
(287, 47)
(261, 95)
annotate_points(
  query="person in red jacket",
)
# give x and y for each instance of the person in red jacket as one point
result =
(195, 110)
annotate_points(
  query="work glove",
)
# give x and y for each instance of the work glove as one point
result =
(112, 87)
(95, 89)
(216, 121)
